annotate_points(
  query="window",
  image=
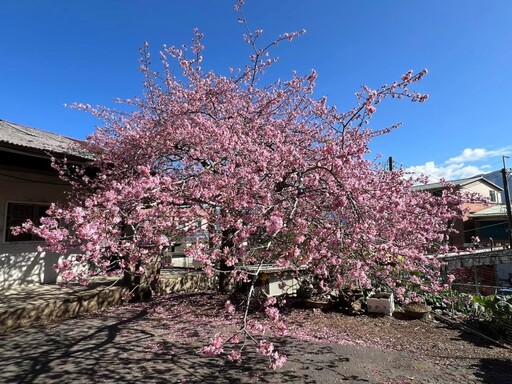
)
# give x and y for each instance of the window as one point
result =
(18, 213)
(492, 196)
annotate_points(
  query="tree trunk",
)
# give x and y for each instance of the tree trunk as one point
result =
(225, 277)
(143, 286)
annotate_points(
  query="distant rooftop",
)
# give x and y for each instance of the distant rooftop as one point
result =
(16, 135)
(458, 182)
(495, 210)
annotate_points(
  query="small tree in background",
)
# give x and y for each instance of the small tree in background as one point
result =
(273, 174)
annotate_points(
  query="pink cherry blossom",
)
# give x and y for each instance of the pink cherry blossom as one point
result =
(272, 313)
(277, 360)
(235, 355)
(265, 348)
(247, 171)
(215, 347)
(229, 308)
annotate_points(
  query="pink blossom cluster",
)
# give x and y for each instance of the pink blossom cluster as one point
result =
(216, 346)
(243, 175)
(229, 308)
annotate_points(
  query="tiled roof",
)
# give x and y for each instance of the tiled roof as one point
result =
(31, 138)
(459, 182)
(495, 210)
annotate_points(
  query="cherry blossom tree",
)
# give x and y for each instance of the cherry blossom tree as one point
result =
(269, 174)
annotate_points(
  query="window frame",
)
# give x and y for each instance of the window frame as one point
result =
(6, 233)
(493, 196)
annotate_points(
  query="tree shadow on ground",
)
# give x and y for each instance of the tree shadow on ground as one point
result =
(42, 351)
(472, 335)
(129, 346)
(494, 371)
(159, 343)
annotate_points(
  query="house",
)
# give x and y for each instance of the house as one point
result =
(496, 177)
(491, 226)
(487, 268)
(477, 184)
(28, 184)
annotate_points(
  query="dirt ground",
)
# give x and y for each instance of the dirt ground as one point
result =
(159, 342)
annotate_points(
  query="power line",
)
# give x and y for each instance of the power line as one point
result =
(485, 226)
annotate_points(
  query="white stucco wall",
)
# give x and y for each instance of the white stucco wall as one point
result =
(483, 189)
(20, 262)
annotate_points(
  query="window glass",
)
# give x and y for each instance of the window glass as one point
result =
(18, 213)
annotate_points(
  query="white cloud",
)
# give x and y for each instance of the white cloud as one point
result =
(457, 167)
(477, 154)
(447, 171)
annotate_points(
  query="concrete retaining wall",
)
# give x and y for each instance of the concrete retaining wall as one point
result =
(28, 306)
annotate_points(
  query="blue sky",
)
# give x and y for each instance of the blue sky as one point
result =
(58, 52)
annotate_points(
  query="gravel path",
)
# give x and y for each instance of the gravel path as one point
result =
(158, 343)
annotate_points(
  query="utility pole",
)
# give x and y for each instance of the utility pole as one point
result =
(507, 201)
(390, 163)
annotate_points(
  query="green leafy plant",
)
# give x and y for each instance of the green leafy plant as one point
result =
(493, 315)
